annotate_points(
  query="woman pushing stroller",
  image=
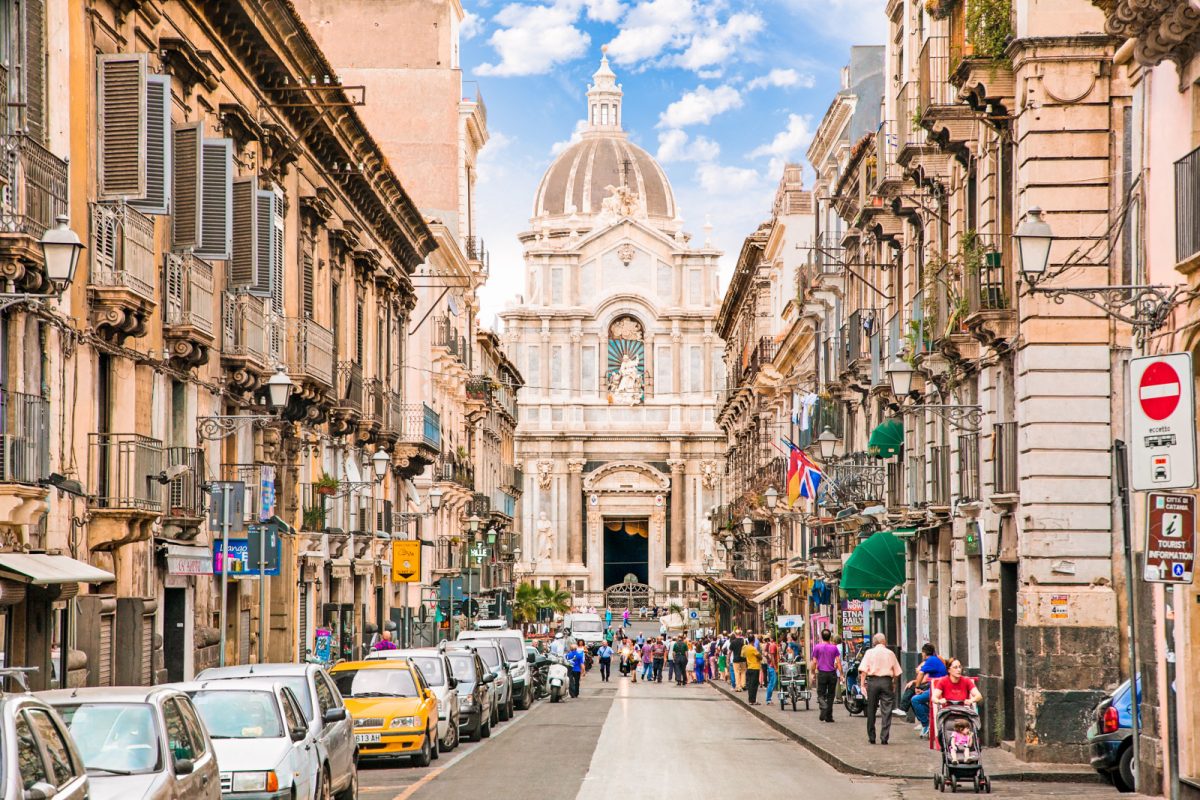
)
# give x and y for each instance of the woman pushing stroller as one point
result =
(955, 729)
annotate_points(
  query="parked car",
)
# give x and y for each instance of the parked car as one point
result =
(435, 669)
(394, 710)
(512, 644)
(1111, 737)
(475, 697)
(324, 713)
(263, 745)
(39, 759)
(139, 742)
(493, 659)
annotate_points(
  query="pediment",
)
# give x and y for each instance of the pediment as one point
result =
(626, 477)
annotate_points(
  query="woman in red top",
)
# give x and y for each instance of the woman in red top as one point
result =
(954, 688)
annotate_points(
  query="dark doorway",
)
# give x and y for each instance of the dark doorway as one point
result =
(174, 630)
(1008, 634)
(626, 550)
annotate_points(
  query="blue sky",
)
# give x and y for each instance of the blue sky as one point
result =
(723, 93)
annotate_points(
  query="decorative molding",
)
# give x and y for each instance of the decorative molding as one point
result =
(545, 474)
(575, 466)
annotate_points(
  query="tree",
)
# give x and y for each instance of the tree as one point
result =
(554, 599)
(526, 603)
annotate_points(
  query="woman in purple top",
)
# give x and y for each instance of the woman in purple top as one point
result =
(827, 664)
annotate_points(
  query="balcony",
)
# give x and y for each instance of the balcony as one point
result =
(950, 123)
(33, 193)
(125, 470)
(968, 467)
(188, 309)
(512, 477)
(349, 405)
(454, 345)
(988, 287)
(1187, 208)
(939, 476)
(503, 504)
(477, 253)
(244, 340)
(761, 354)
(451, 469)
(856, 481)
(418, 431)
(447, 556)
(1004, 462)
(916, 481)
(183, 516)
(24, 458)
(121, 285)
(897, 490)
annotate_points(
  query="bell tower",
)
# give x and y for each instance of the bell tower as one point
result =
(604, 98)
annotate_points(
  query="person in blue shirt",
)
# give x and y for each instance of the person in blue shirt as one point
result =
(605, 654)
(575, 663)
(931, 668)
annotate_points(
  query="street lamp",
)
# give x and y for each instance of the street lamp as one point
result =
(219, 426)
(491, 536)
(827, 444)
(1034, 238)
(380, 463)
(772, 497)
(900, 374)
(473, 524)
(60, 252)
(747, 525)
(279, 389)
(435, 498)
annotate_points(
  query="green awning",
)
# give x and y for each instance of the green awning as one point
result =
(874, 568)
(887, 439)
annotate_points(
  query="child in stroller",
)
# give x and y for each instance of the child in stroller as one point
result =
(961, 741)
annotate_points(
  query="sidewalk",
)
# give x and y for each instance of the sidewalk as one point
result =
(844, 746)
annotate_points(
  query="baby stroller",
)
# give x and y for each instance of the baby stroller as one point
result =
(959, 763)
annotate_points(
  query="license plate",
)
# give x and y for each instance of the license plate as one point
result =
(366, 738)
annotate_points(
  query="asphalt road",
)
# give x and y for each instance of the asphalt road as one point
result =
(650, 741)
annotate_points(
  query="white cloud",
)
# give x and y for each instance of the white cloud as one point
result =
(576, 135)
(789, 141)
(650, 27)
(783, 78)
(489, 163)
(604, 10)
(534, 38)
(700, 106)
(674, 145)
(715, 178)
(715, 44)
(472, 26)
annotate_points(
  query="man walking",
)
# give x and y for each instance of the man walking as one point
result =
(878, 672)
(826, 664)
(575, 662)
(770, 653)
(751, 669)
(658, 652)
(605, 654)
(679, 652)
(738, 672)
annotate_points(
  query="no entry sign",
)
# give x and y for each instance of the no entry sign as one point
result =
(1162, 411)
(1170, 538)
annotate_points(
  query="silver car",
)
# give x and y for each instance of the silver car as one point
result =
(139, 742)
(493, 659)
(40, 759)
(435, 668)
(324, 712)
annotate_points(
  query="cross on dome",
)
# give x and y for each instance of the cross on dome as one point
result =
(604, 97)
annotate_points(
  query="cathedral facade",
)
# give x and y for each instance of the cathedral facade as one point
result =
(614, 335)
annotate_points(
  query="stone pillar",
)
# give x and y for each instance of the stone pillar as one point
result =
(676, 367)
(678, 513)
(575, 511)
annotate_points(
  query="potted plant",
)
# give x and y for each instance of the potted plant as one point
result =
(313, 518)
(326, 485)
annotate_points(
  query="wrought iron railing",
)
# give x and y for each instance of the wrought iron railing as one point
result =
(125, 469)
(244, 327)
(185, 493)
(985, 271)
(448, 555)
(446, 335)
(1187, 206)
(897, 489)
(512, 477)
(350, 385)
(861, 326)
(916, 481)
(968, 466)
(25, 438)
(934, 71)
(856, 481)
(418, 423)
(33, 185)
(188, 292)
(309, 349)
(122, 248)
(761, 354)
(504, 503)
(939, 475)
(1004, 458)
(911, 109)
(453, 470)
(475, 251)
(887, 147)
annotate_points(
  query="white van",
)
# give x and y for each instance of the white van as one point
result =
(512, 644)
(589, 627)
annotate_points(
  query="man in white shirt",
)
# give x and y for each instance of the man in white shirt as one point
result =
(878, 672)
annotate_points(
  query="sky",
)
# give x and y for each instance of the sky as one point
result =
(722, 92)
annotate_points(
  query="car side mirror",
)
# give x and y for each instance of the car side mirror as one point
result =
(334, 715)
(299, 733)
(40, 791)
(531, 658)
(452, 683)
(184, 766)
(488, 677)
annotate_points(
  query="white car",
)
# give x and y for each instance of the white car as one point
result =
(435, 668)
(512, 644)
(264, 748)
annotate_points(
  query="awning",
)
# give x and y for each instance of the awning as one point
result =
(874, 568)
(775, 587)
(42, 570)
(734, 592)
(887, 439)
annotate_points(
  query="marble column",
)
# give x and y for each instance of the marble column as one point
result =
(678, 513)
(575, 511)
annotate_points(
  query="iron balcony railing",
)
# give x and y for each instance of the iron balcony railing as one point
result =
(375, 400)
(856, 481)
(33, 185)
(939, 475)
(512, 477)
(897, 490)
(1187, 206)
(860, 329)
(309, 349)
(185, 493)
(934, 71)
(188, 292)
(504, 503)
(985, 269)
(125, 468)
(448, 555)
(968, 467)
(244, 327)
(453, 470)
(475, 251)
(505, 398)
(762, 353)
(911, 109)
(1004, 458)
(25, 438)
(350, 385)
(887, 148)
(446, 335)
(417, 423)
(916, 481)
(122, 248)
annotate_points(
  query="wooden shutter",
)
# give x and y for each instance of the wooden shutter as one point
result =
(264, 214)
(185, 179)
(216, 199)
(358, 333)
(121, 126)
(306, 279)
(243, 261)
(276, 258)
(33, 58)
(158, 146)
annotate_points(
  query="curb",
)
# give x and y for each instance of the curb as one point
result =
(833, 760)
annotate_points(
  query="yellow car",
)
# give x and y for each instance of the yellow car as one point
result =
(395, 713)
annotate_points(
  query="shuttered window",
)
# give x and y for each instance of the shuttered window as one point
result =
(216, 199)
(264, 239)
(185, 174)
(33, 64)
(121, 126)
(158, 146)
(276, 256)
(243, 261)
(306, 278)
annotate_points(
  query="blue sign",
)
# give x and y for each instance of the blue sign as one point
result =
(240, 562)
(322, 643)
(266, 493)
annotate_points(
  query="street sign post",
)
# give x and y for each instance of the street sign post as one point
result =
(1162, 410)
(1170, 538)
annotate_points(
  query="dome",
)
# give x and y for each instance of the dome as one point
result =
(578, 180)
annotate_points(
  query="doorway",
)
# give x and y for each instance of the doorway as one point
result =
(1008, 635)
(174, 632)
(626, 550)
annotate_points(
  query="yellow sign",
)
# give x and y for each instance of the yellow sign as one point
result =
(406, 562)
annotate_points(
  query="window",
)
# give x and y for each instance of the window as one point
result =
(179, 738)
(556, 368)
(533, 372)
(375, 683)
(695, 370)
(29, 755)
(694, 289)
(195, 727)
(291, 714)
(665, 281)
(325, 696)
(185, 180)
(55, 745)
(116, 736)
(216, 199)
(604, 114)
(663, 370)
(556, 286)
(238, 714)
(588, 368)
(432, 669)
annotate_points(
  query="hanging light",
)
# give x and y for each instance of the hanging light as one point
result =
(900, 373)
(380, 462)
(1034, 238)
(435, 497)
(772, 497)
(279, 389)
(491, 535)
(747, 525)
(516, 553)
(473, 523)
(827, 443)
(60, 252)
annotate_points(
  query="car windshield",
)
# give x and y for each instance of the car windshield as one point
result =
(490, 656)
(397, 682)
(463, 667)
(431, 669)
(239, 715)
(586, 626)
(510, 646)
(115, 738)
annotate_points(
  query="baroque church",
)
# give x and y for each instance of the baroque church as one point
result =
(614, 335)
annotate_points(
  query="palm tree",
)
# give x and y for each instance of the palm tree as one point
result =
(526, 603)
(554, 599)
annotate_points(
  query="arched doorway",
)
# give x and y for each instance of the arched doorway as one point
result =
(626, 550)
(629, 595)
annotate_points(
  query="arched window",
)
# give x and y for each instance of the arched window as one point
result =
(625, 376)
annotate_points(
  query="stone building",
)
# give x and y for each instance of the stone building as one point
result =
(615, 338)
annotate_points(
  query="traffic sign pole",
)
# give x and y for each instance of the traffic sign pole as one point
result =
(1121, 467)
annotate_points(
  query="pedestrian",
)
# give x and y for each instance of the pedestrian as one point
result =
(658, 652)
(770, 652)
(737, 677)
(751, 669)
(385, 642)
(605, 655)
(608, 617)
(647, 651)
(930, 670)
(826, 665)
(878, 671)
(575, 662)
(679, 651)
(625, 618)
(954, 688)
(794, 646)
(701, 655)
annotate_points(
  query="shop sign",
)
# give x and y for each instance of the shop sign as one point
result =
(1170, 538)
(852, 620)
(322, 643)
(239, 563)
(189, 565)
(406, 561)
(266, 491)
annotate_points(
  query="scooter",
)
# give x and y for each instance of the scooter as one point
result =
(556, 678)
(541, 685)
(853, 698)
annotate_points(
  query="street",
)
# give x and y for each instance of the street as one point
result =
(658, 741)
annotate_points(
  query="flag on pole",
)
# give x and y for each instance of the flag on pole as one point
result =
(803, 476)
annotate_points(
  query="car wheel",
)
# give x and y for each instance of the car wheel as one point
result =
(504, 707)
(435, 749)
(486, 731)
(351, 791)
(452, 737)
(323, 790)
(511, 712)
(424, 756)
(494, 718)
(1123, 776)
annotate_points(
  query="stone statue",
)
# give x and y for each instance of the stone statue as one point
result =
(706, 538)
(622, 201)
(626, 382)
(545, 538)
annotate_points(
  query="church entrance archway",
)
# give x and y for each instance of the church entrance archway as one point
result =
(626, 549)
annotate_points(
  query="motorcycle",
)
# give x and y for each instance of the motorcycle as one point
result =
(556, 678)
(852, 697)
(541, 683)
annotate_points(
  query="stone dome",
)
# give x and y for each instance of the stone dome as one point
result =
(578, 180)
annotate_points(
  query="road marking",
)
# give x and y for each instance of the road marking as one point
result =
(412, 788)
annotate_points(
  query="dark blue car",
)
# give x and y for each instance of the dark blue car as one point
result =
(1111, 737)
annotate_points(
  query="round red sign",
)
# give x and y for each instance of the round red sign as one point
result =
(1158, 391)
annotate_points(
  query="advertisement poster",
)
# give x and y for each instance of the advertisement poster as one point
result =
(852, 622)
(322, 643)
(818, 623)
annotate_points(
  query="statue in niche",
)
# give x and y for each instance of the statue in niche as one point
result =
(625, 378)
(706, 539)
(545, 540)
(626, 382)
